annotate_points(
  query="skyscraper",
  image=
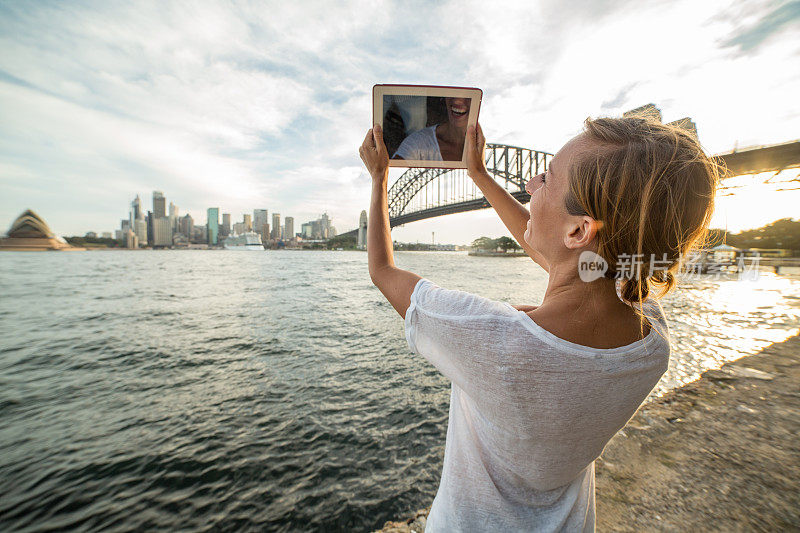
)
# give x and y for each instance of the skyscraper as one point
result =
(325, 226)
(276, 226)
(140, 229)
(149, 220)
(136, 210)
(159, 204)
(213, 226)
(187, 226)
(173, 217)
(225, 228)
(260, 222)
(288, 228)
(162, 232)
(248, 223)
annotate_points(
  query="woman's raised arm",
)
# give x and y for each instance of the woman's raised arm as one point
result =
(395, 283)
(513, 214)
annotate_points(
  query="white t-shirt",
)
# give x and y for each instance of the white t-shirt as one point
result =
(529, 412)
(421, 144)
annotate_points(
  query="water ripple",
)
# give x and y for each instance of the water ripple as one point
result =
(270, 391)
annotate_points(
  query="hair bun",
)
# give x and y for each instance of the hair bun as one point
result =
(635, 289)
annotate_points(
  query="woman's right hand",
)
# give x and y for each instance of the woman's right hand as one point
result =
(476, 162)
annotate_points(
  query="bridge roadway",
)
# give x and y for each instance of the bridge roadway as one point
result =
(757, 159)
(514, 166)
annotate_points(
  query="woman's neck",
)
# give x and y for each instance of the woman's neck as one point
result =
(451, 134)
(565, 287)
(587, 313)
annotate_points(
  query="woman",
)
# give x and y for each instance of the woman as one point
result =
(538, 391)
(440, 142)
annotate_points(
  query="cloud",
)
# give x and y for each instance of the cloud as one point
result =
(770, 24)
(620, 99)
(247, 105)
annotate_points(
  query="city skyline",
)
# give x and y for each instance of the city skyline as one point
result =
(235, 106)
(158, 227)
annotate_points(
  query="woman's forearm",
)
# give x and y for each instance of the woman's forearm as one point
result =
(513, 214)
(379, 237)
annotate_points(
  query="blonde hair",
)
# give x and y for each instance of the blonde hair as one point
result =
(651, 188)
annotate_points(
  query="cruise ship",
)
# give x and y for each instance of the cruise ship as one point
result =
(244, 241)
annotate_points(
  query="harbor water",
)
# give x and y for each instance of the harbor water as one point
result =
(230, 390)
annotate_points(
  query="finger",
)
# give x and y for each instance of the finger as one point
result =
(470, 137)
(377, 134)
(480, 139)
(367, 139)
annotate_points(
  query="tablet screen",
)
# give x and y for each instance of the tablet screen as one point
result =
(425, 126)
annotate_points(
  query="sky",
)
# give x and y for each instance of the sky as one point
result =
(244, 105)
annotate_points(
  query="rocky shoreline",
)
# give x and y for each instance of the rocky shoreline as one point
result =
(719, 454)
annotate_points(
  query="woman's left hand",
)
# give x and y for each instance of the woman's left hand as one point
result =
(374, 155)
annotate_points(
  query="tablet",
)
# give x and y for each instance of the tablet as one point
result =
(425, 125)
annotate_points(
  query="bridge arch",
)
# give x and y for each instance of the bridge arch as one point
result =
(511, 166)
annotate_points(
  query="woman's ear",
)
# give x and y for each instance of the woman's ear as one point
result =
(582, 232)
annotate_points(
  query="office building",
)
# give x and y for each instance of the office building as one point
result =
(136, 210)
(259, 218)
(212, 227)
(261, 223)
(173, 217)
(199, 234)
(361, 243)
(140, 229)
(288, 228)
(159, 204)
(162, 232)
(131, 241)
(149, 220)
(325, 226)
(248, 222)
(124, 226)
(187, 226)
(225, 228)
(239, 228)
(276, 226)
(319, 229)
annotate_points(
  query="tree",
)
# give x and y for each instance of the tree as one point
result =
(783, 233)
(484, 243)
(347, 242)
(506, 243)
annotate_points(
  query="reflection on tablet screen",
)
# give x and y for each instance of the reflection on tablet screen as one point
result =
(427, 128)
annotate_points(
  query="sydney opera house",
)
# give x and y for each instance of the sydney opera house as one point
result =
(30, 233)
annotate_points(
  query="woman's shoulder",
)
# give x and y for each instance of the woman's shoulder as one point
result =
(430, 298)
(581, 329)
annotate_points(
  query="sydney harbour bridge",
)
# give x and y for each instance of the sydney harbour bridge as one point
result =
(422, 193)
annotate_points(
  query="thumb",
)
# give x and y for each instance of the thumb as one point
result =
(470, 137)
(377, 134)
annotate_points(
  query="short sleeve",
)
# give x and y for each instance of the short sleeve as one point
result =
(420, 145)
(461, 334)
(404, 150)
